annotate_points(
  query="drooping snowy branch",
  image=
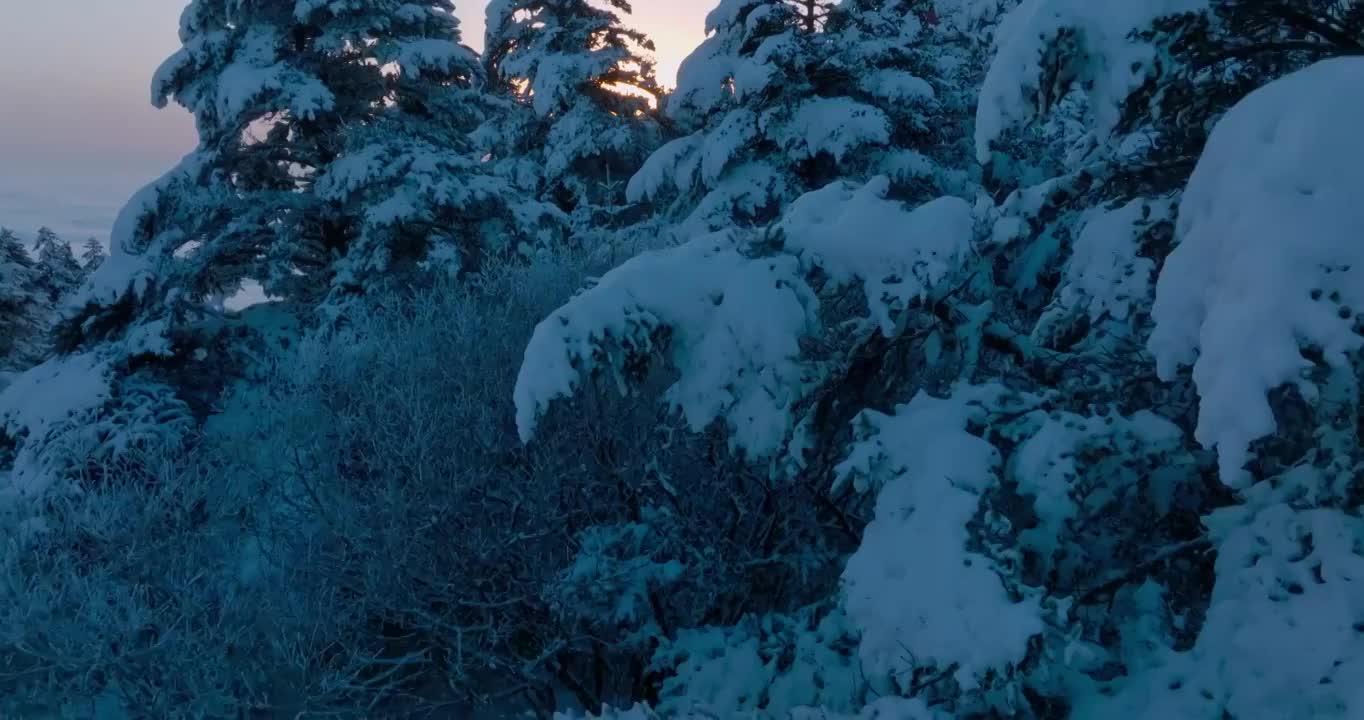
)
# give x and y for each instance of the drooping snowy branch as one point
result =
(1265, 275)
(732, 321)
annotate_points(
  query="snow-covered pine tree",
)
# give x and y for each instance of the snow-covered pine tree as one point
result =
(57, 266)
(1141, 89)
(1082, 542)
(772, 109)
(92, 255)
(589, 81)
(424, 191)
(1143, 83)
(275, 87)
(784, 338)
(425, 197)
(902, 58)
(281, 91)
(1257, 304)
(719, 171)
(1174, 102)
(24, 308)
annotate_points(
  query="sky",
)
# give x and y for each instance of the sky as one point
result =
(78, 134)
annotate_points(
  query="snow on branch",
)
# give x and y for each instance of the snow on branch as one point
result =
(1269, 260)
(731, 322)
(920, 598)
(1084, 42)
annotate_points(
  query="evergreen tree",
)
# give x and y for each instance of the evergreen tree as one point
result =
(274, 87)
(421, 189)
(590, 83)
(774, 109)
(1030, 390)
(57, 266)
(1120, 233)
(92, 255)
(283, 93)
(24, 307)
(999, 399)
(426, 196)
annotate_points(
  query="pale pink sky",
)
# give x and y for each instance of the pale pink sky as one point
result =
(77, 132)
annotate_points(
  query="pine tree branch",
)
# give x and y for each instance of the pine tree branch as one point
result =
(1322, 28)
(1106, 587)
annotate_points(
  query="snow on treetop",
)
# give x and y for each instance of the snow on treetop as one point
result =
(1269, 260)
(703, 75)
(701, 79)
(556, 77)
(1114, 62)
(250, 72)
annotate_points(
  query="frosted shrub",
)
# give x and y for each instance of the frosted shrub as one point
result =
(363, 534)
(126, 597)
(438, 563)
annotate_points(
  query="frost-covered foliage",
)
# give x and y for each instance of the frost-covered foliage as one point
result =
(422, 198)
(588, 80)
(1249, 310)
(1288, 555)
(124, 601)
(1141, 83)
(732, 317)
(435, 563)
(913, 587)
(739, 317)
(1158, 75)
